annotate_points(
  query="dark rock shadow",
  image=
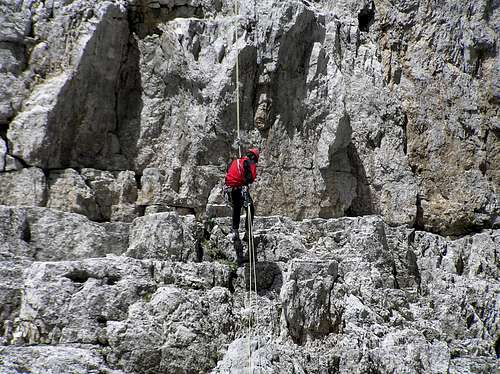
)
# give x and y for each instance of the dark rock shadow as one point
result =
(268, 276)
(129, 103)
(362, 204)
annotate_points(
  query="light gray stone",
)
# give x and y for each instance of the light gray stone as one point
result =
(27, 187)
(3, 153)
(16, 20)
(50, 235)
(72, 89)
(47, 359)
(305, 296)
(64, 310)
(69, 192)
(385, 112)
(115, 194)
(164, 236)
(57, 236)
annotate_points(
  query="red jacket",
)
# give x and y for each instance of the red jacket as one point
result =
(241, 172)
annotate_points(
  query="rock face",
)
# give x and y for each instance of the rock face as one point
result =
(345, 295)
(351, 104)
(377, 198)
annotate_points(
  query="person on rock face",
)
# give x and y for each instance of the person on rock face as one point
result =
(240, 174)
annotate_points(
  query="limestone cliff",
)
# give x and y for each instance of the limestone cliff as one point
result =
(378, 195)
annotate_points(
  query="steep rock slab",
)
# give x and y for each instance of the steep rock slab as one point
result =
(332, 89)
(16, 21)
(201, 54)
(401, 300)
(441, 62)
(75, 100)
(178, 330)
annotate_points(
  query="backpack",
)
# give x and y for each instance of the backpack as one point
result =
(235, 176)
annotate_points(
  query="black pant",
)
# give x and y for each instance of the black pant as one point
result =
(238, 200)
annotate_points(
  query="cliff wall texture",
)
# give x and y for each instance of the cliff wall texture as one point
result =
(378, 195)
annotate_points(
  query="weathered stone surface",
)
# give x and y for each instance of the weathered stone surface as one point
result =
(3, 153)
(338, 94)
(64, 310)
(386, 112)
(11, 288)
(50, 235)
(60, 236)
(443, 87)
(47, 359)
(16, 21)
(99, 195)
(165, 236)
(77, 79)
(306, 300)
(181, 187)
(140, 303)
(102, 184)
(68, 192)
(352, 299)
(192, 326)
(27, 187)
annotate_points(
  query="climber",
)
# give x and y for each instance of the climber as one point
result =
(240, 174)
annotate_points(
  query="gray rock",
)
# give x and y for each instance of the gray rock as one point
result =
(164, 236)
(57, 236)
(53, 360)
(27, 187)
(50, 235)
(192, 326)
(14, 233)
(11, 291)
(385, 112)
(115, 194)
(102, 184)
(16, 20)
(140, 303)
(75, 91)
(351, 299)
(64, 309)
(3, 153)
(306, 300)
(69, 192)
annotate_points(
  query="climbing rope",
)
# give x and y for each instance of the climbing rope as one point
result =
(236, 12)
(248, 301)
(252, 261)
(251, 251)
